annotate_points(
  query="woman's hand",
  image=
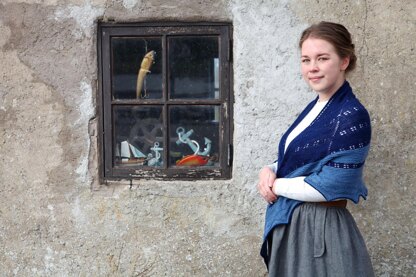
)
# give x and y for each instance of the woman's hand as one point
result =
(265, 184)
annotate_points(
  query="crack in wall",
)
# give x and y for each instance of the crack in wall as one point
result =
(363, 51)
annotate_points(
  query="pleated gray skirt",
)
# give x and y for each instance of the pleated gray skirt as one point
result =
(319, 241)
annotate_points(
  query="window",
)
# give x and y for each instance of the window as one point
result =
(165, 100)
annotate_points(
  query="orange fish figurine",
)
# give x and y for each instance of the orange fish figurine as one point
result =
(193, 160)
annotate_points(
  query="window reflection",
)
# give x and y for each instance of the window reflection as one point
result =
(138, 136)
(194, 67)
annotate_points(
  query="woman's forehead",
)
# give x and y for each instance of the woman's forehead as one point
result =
(317, 46)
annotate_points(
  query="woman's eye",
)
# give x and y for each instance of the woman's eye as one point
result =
(323, 59)
(305, 60)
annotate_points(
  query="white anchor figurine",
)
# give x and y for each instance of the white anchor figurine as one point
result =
(155, 161)
(194, 145)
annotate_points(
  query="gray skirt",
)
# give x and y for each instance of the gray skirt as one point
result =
(319, 241)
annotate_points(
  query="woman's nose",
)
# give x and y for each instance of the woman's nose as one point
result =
(314, 67)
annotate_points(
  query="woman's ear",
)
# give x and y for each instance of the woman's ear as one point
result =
(345, 62)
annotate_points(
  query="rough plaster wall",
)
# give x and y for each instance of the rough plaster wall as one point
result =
(56, 219)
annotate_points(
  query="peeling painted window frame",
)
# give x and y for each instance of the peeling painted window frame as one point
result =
(109, 171)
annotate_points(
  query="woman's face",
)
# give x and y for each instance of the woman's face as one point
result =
(322, 68)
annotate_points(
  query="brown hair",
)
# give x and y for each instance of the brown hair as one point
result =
(337, 35)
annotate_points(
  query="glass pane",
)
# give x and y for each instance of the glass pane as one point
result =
(194, 136)
(138, 136)
(194, 67)
(137, 68)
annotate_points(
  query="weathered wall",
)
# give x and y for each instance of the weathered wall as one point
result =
(57, 220)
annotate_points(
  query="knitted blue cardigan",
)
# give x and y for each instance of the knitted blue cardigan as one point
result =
(331, 152)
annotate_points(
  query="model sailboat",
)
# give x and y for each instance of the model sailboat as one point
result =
(130, 154)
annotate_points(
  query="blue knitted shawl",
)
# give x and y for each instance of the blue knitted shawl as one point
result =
(331, 152)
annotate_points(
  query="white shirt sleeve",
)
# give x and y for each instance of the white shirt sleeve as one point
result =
(297, 189)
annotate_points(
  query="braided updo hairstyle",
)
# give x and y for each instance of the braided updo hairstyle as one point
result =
(337, 35)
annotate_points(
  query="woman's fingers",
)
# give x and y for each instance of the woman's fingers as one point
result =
(266, 191)
(265, 184)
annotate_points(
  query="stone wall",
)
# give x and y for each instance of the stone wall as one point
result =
(57, 219)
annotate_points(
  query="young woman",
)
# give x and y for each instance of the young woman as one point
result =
(308, 230)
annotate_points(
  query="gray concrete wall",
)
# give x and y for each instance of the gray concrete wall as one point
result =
(56, 219)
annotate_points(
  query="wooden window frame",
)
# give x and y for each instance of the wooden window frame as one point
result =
(107, 30)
